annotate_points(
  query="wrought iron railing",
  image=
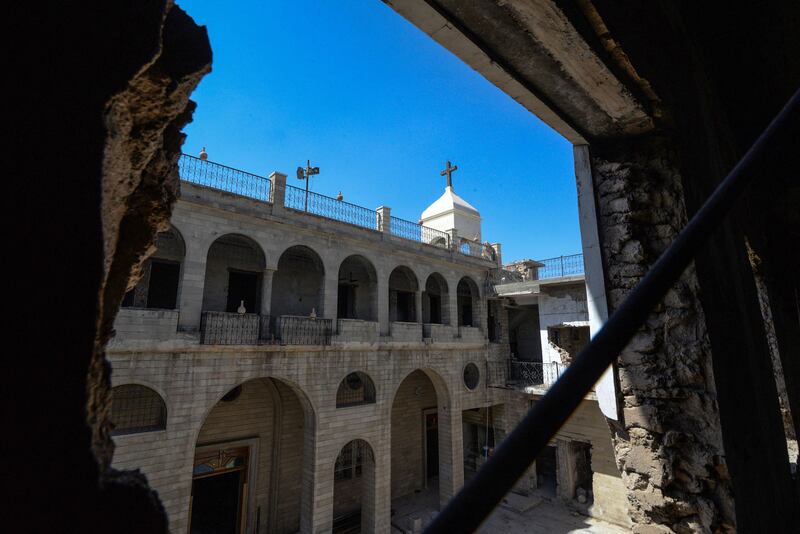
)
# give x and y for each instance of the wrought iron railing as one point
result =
(331, 208)
(522, 373)
(296, 330)
(472, 248)
(222, 328)
(224, 178)
(417, 232)
(561, 266)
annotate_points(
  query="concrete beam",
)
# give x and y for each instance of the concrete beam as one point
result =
(531, 51)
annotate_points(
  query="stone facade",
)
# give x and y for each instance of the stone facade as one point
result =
(285, 412)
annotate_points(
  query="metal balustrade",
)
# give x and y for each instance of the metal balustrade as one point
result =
(417, 232)
(223, 328)
(522, 373)
(331, 208)
(224, 178)
(561, 266)
(298, 330)
(472, 248)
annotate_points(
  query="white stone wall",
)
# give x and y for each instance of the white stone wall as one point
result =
(559, 305)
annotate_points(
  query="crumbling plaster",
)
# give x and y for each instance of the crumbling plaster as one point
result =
(670, 449)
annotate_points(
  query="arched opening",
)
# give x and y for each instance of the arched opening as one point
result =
(234, 273)
(358, 289)
(434, 300)
(354, 489)
(403, 295)
(468, 302)
(298, 283)
(419, 471)
(232, 292)
(355, 389)
(158, 287)
(136, 408)
(248, 465)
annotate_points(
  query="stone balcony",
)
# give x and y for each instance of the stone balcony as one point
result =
(146, 323)
(141, 328)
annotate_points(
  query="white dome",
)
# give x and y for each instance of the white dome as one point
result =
(448, 202)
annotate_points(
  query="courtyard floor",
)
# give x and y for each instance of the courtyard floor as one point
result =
(544, 516)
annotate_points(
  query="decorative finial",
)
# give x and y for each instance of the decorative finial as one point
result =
(340, 197)
(448, 171)
(241, 309)
(203, 154)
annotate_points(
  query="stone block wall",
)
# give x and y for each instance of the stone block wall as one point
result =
(471, 334)
(411, 332)
(438, 332)
(141, 323)
(356, 331)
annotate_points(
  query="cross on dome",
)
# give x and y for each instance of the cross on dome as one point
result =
(449, 170)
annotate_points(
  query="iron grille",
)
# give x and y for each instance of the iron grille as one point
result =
(223, 178)
(356, 389)
(331, 208)
(561, 266)
(292, 330)
(223, 328)
(417, 232)
(471, 248)
(349, 463)
(522, 373)
(136, 408)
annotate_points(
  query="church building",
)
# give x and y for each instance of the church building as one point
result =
(290, 362)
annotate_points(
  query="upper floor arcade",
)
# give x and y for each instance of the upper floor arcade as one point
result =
(248, 266)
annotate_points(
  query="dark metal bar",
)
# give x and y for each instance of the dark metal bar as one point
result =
(474, 503)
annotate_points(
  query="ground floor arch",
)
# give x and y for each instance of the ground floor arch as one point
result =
(426, 448)
(354, 488)
(248, 471)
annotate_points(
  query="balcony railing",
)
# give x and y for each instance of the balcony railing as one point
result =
(417, 232)
(300, 330)
(223, 328)
(224, 178)
(472, 248)
(331, 208)
(524, 374)
(561, 266)
(216, 176)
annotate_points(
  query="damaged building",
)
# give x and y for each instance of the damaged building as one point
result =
(301, 363)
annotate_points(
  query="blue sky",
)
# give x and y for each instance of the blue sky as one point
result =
(379, 107)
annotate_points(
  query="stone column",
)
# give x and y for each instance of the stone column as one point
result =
(383, 303)
(330, 295)
(192, 284)
(453, 238)
(266, 302)
(451, 451)
(382, 497)
(566, 469)
(266, 291)
(452, 304)
(383, 219)
(278, 180)
(418, 306)
(316, 501)
(498, 250)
